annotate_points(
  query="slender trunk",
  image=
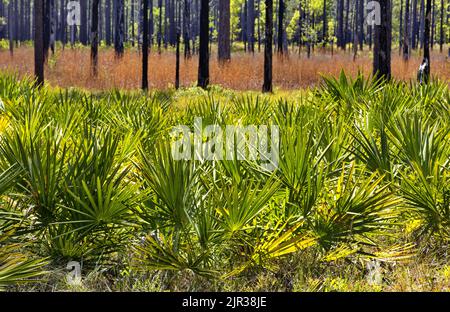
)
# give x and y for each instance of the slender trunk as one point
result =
(406, 33)
(119, 27)
(441, 37)
(400, 29)
(145, 45)
(94, 36)
(426, 43)
(224, 53)
(415, 26)
(11, 28)
(280, 26)
(177, 62)
(39, 42)
(340, 24)
(108, 22)
(324, 26)
(160, 26)
(203, 68)
(267, 85)
(382, 40)
(251, 25)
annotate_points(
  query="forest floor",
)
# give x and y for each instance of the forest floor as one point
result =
(71, 68)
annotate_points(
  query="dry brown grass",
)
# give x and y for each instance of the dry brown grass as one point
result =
(71, 68)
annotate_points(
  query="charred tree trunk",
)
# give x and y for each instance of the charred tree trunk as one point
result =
(108, 22)
(340, 24)
(406, 33)
(280, 27)
(224, 31)
(251, 25)
(119, 27)
(203, 67)
(39, 42)
(94, 37)
(144, 4)
(382, 43)
(324, 26)
(186, 29)
(267, 85)
(426, 41)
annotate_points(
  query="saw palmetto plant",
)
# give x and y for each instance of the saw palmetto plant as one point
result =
(362, 174)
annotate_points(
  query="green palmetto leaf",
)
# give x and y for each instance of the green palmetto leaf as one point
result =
(16, 267)
(239, 205)
(355, 208)
(172, 183)
(158, 253)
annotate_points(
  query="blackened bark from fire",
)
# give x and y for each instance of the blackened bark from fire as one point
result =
(145, 45)
(382, 43)
(203, 67)
(94, 36)
(224, 53)
(39, 41)
(267, 85)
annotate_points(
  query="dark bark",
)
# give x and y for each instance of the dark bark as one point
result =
(340, 24)
(415, 26)
(11, 27)
(281, 10)
(224, 53)
(159, 25)
(187, 29)
(84, 22)
(406, 38)
(441, 37)
(145, 45)
(251, 25)
(108, 22)
(177, 62)
(39, 42)
(203, 67)
(267, 85)
(119, 27)
(361, 23)
(94, 36)
(400, 30)
(382, 43)
(426, 41)
(324, 26)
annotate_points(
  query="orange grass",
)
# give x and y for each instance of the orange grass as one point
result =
(71, 68)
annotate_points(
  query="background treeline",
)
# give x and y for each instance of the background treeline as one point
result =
(239, 23)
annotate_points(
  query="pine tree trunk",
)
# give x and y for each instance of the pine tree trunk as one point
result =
(251, 25)
(267, 85)
(11, 27)
(94, 36)
(382, 43)
(400, 29)
(39, 42)
(203, 67)
(83, 20)
(415, 26)
(224, 53)
(406, 33)
(108, 22)
(441, 37)
(186, 29)
(280, 26)
(426, 41)
(119, 27)
(144, 5)
(340, 24)
(324, 26)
